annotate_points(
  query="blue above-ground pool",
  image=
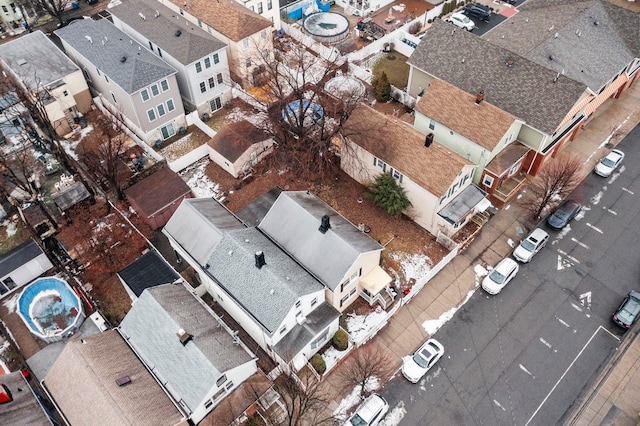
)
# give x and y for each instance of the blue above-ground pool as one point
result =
(51, 309)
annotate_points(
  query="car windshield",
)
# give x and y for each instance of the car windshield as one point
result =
(356, 420)
(528, 245)
(606, 161)
(629, 311)
(497, 277)
(466, 20)
(422, 358)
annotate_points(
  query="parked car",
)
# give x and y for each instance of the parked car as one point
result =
(609, 163)
(370, 412)
(531, 245)
(500, 276)
(629, 311)
(414, 368)
(477, 10)
(563, 214)
(461, 20)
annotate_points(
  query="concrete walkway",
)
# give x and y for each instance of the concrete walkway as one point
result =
(448, 289)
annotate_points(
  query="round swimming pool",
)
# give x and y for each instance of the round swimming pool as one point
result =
(50, 309)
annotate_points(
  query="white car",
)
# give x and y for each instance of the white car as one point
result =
(423, 359)
(369, 412)
(608, 164)
(531, 245)
(500, 276)
(461, 20)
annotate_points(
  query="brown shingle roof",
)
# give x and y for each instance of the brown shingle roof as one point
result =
(157, 191)
(228, 17)
(482, 123)
(507, 158)
(83, 384)
(402, 147)
(235, 138)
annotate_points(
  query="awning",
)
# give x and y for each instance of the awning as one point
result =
(606, 94)
(462, 204)
(375, 281)
(483, 205)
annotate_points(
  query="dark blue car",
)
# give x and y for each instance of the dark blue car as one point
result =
(563, 214)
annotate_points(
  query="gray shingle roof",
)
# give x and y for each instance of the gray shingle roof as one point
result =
(161, 28)
(198, 226)
(293, 222)
(513, 83)
(104, 45)
(189, 370)
(589, 53)
(267, 293)
(20, 255)
(35, 58)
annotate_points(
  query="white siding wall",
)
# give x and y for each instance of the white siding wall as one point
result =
(30, 270)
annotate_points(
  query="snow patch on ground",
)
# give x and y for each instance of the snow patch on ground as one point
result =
(11, 303)
(413, 265)
(394, 416)
(12, 228)
(511, 243)
(354, 398)
(331, 356)
(432, 326)
(70, 146)
(596, 198)
(197, 179)
(359, 326)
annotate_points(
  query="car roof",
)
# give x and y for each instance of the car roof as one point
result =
(615, 153)
(506, 264)
(370, 407)
(538, 234)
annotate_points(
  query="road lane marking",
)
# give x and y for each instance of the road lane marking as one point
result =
(544, 342)
(568, 256)
(523, 368)
(561, 321)
(569, 368)
(498, 404)
(594, 228)
(576, 307)
(612, 212)
(581, 244)
(626, 190)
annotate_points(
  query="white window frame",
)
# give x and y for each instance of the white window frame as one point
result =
(170, 105)
(380, 164)
(245, 43)
(160, 108)
(487, 180)
(396, 175)
(216, 58)
(203, 87)
(157, 89)
(164, 83)
(151, 113)
(198, 67)
(207, 62)
(142, 96)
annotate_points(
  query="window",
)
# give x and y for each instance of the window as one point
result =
(283, 330)
(320, 339)
(297, 305)
(487, 181)
(215, 104)
(212, 83)
(216, 58)
(159, 52)
(343, 285)
(203, 87)
(87, 76)
(151, 114)
(208, 404)
(207, 62)
(247, 62)
(106, 78)
(515, 168)
(151, 46)
(161, 110)
(263, 34)
(260, 8)
(220, 80)
(229, 385)
(170, 105)
(114, 97)
(396, 175)
(181, 12)
(144, 94)
(219, 394)
(432, 125)
(200, 23)
(198, 67)
(99, 73)
(164, 84)
(154, 90)
(245, 43)
(221, 380)
(167, 131)
(269, 4)
(252, 9)
(381, 164)
(5, 10)
(347, 297)
(314, 301)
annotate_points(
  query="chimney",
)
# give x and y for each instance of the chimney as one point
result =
(480, 97)
(428, 140)
(324, 224)
(260, 262)
(184, 337)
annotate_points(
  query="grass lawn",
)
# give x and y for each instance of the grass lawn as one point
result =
(395, 66)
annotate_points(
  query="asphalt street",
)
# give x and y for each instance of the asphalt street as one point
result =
(527, 355)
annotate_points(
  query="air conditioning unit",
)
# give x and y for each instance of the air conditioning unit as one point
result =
(300, 319)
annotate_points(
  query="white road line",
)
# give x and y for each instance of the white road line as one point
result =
(581, 244)
(594, 228)
(573, 259)
(523, 368)
(544, 342)
(563, 322)
(498, 404)
(626, 190)
(576, 307)
(612, 212)
(567, 370)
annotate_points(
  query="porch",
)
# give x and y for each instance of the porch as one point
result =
(510, 187)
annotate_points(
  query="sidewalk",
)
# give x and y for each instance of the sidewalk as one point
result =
(447, 290)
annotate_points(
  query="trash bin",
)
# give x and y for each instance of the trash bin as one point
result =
(75, 5)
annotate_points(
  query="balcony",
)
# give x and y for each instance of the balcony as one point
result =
(510, 187)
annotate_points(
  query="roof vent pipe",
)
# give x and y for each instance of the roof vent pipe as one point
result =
(479, 97)
(260, 262)
(324, 224)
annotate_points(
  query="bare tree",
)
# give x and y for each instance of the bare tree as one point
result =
(554, 182)
(296, 111)
(55, 7)
(368, 364)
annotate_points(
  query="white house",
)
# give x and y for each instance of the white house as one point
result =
(132, 83)
(437, 181)
(199, 58)
(187, 347)
(274, 299)
(22, 265)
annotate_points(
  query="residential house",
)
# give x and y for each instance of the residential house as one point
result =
(335, 251)
(46, 73)
(135, 85)
(269, 9)
(98, 379)
(19, 404)
(476, 130)
(438, 182)
(274, 299)
(238, 146)
(15, 123)
(187, 347)
(248, 36)
(22, 265)
(156, 197)
(199, 58)
(149, 270)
